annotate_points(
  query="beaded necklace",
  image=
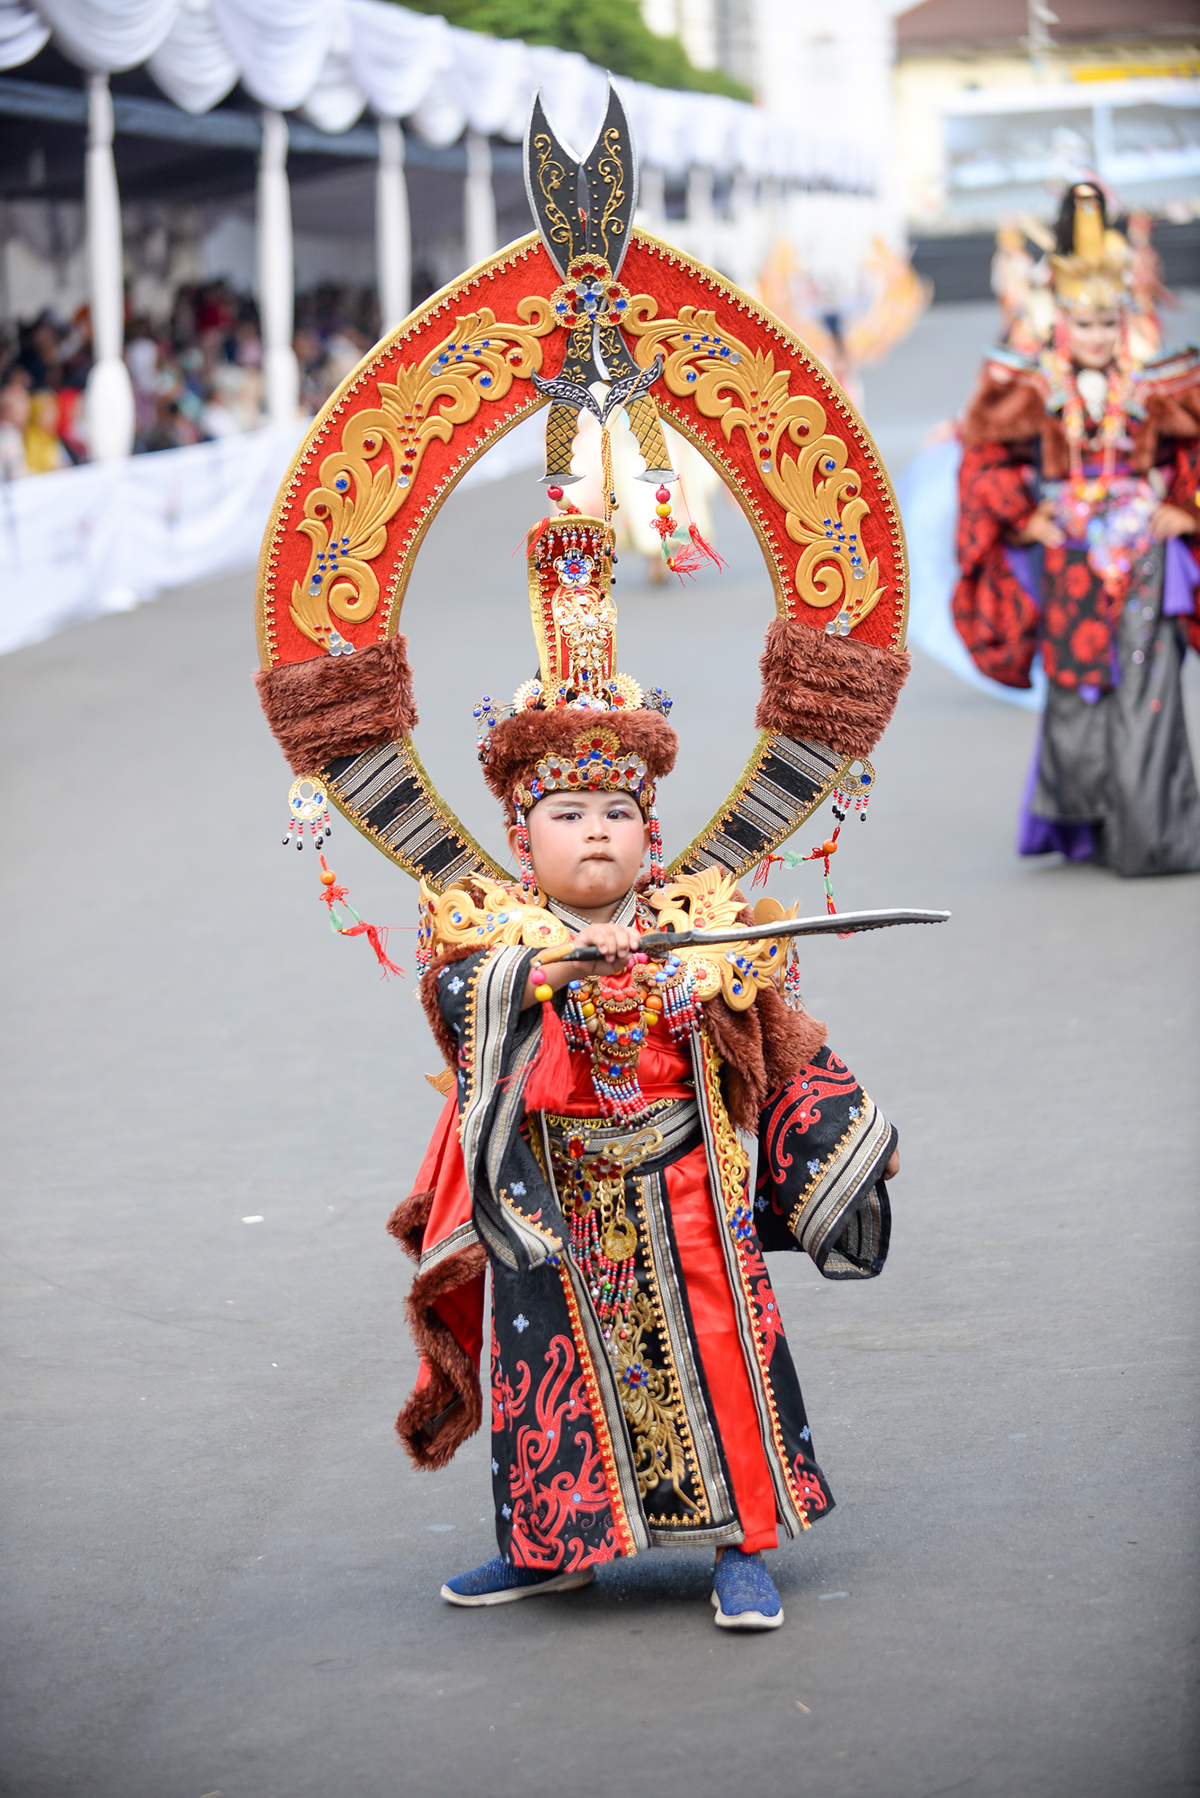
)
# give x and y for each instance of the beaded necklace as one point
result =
(610, 1017)
(1084, 492)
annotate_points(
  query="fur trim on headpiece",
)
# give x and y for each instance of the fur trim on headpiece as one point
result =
(339, 705)
(518, 744)
(831, 690)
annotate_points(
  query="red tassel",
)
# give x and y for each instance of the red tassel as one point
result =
(693, 555)
(372, 936)
(548, 1082)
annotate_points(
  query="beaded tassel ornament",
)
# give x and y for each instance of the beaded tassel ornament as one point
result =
(853, 792)
(690, 551)
(333, 895)
(309, 806)
(612, 1284)
(658, 876)
(611, 1018)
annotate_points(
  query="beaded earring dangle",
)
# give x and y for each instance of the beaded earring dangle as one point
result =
(529, 885)
(658, 877)
(854, 790)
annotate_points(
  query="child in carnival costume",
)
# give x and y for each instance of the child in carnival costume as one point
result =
(642, 1390)
(592, 1150)
(1077, 525)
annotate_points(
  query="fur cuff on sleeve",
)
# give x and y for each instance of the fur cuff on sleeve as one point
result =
(338, 705)
(829, 689)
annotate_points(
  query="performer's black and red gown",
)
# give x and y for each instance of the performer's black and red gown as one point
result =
(686, 1424)
(1111, 613)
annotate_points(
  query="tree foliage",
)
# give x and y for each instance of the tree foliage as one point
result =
(610, 33)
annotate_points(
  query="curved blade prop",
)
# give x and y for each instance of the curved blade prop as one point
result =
(661, 942)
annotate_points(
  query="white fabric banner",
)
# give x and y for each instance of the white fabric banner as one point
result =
(104, 537)
(23, 32)
(106, 35)
(194, 65)
(107, 537)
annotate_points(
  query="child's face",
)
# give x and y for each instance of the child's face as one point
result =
(587, 849)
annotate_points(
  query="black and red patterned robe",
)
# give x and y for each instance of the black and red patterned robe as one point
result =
(1112, 776)
(690, 1429)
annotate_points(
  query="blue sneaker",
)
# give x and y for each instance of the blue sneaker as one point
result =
(744, 1594)
(499, 1582)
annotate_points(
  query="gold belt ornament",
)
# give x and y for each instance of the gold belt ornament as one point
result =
(590, 1176)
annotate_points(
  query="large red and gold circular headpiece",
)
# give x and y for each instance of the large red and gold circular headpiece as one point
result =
(522, 330)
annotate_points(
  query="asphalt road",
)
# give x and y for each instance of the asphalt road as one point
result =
(223, 1574)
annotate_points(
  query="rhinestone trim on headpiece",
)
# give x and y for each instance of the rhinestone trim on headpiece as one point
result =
(594, 764)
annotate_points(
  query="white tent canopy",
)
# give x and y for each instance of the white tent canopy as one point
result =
(334, 59)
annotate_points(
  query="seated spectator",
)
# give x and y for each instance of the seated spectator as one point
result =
(14, 419)
(43, 446)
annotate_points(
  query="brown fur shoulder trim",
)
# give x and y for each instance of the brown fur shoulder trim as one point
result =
(440, 1416)
(407, 1222)
(829, 689)
(338, 705)
(517, 744)
(1005, 408)
(737, 1037)
(790, 1038)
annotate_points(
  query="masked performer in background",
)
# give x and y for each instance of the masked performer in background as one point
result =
(1077, 526)
(590, 1154)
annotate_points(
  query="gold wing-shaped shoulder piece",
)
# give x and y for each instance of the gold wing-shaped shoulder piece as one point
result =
(500, 918)
(710, 900)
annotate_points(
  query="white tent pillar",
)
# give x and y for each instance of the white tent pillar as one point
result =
(652, 198)
(393, 237)
(276, 273)
(479, 201)
(109, 402)
(700, 216)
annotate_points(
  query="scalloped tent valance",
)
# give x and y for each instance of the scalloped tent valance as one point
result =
(334, 59)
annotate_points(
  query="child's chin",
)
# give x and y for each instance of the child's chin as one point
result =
(600, 887)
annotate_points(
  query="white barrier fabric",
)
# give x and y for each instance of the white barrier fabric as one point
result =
(106, 537)
(102, 538)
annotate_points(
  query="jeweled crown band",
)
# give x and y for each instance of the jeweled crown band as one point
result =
(595, 764)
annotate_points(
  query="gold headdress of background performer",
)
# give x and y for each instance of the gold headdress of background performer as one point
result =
(1092, 262)
(586, 304)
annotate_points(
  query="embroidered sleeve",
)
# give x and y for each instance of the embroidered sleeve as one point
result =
(515, 1211)
(822, 1148)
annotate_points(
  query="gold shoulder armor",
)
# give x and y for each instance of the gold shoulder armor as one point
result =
(453, 920)
(710, 901)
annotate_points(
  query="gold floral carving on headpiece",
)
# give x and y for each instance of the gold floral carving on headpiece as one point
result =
(366, 481)
(821, 496)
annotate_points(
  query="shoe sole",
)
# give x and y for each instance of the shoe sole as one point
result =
(562, 1582)
(746, 1619)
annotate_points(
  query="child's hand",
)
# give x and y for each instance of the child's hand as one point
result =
(893, 1166)
(618, 941)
